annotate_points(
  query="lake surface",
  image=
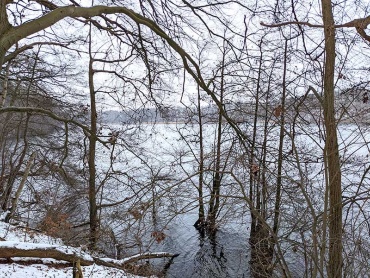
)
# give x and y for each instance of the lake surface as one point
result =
(169, 159)
(226, 255)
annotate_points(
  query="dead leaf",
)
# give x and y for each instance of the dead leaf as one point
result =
(278, 110)
(158, 236)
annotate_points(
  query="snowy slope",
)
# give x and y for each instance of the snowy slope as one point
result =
(15, 270)
(50, 268)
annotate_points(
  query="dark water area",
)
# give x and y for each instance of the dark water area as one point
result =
(225, 255)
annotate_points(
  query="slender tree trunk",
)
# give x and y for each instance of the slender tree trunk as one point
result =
(218, 175)
(214, 202)
(281, 146)
(92, 153)
(14, 169)
(20, 187)
(201, 164)
(4, 92)
(331, 147)
(254, 194)
(260, 237)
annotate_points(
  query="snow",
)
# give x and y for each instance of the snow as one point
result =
(21, 267)
(15, 270)
(21, 234)
(30, 246)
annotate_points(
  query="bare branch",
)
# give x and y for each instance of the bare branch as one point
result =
(46, 4)
(360, 24)
(305, 23)
(30, 46)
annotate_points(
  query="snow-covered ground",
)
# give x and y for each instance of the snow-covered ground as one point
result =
(50, 268)
(15, 270)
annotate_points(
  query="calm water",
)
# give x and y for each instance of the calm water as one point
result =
(227, 255)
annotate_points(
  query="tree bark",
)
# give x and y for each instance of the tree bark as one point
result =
(331, 147)
(93, 209)
(201, 214)
(281, 147)
(260, 235)
(4, 27)
(214, 202)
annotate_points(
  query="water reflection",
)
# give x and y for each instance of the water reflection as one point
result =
(223, 254)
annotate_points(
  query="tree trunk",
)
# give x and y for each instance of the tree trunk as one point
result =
(92, 153)
(214, 202)
(4, 27)
(200, 222)
(261, 252)
(20, 187)
(331, 147)
(260, 236)
(281, 147)
(15, 168)
(254, 194)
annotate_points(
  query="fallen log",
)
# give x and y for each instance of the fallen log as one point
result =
(12, 249)
(9, 249)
